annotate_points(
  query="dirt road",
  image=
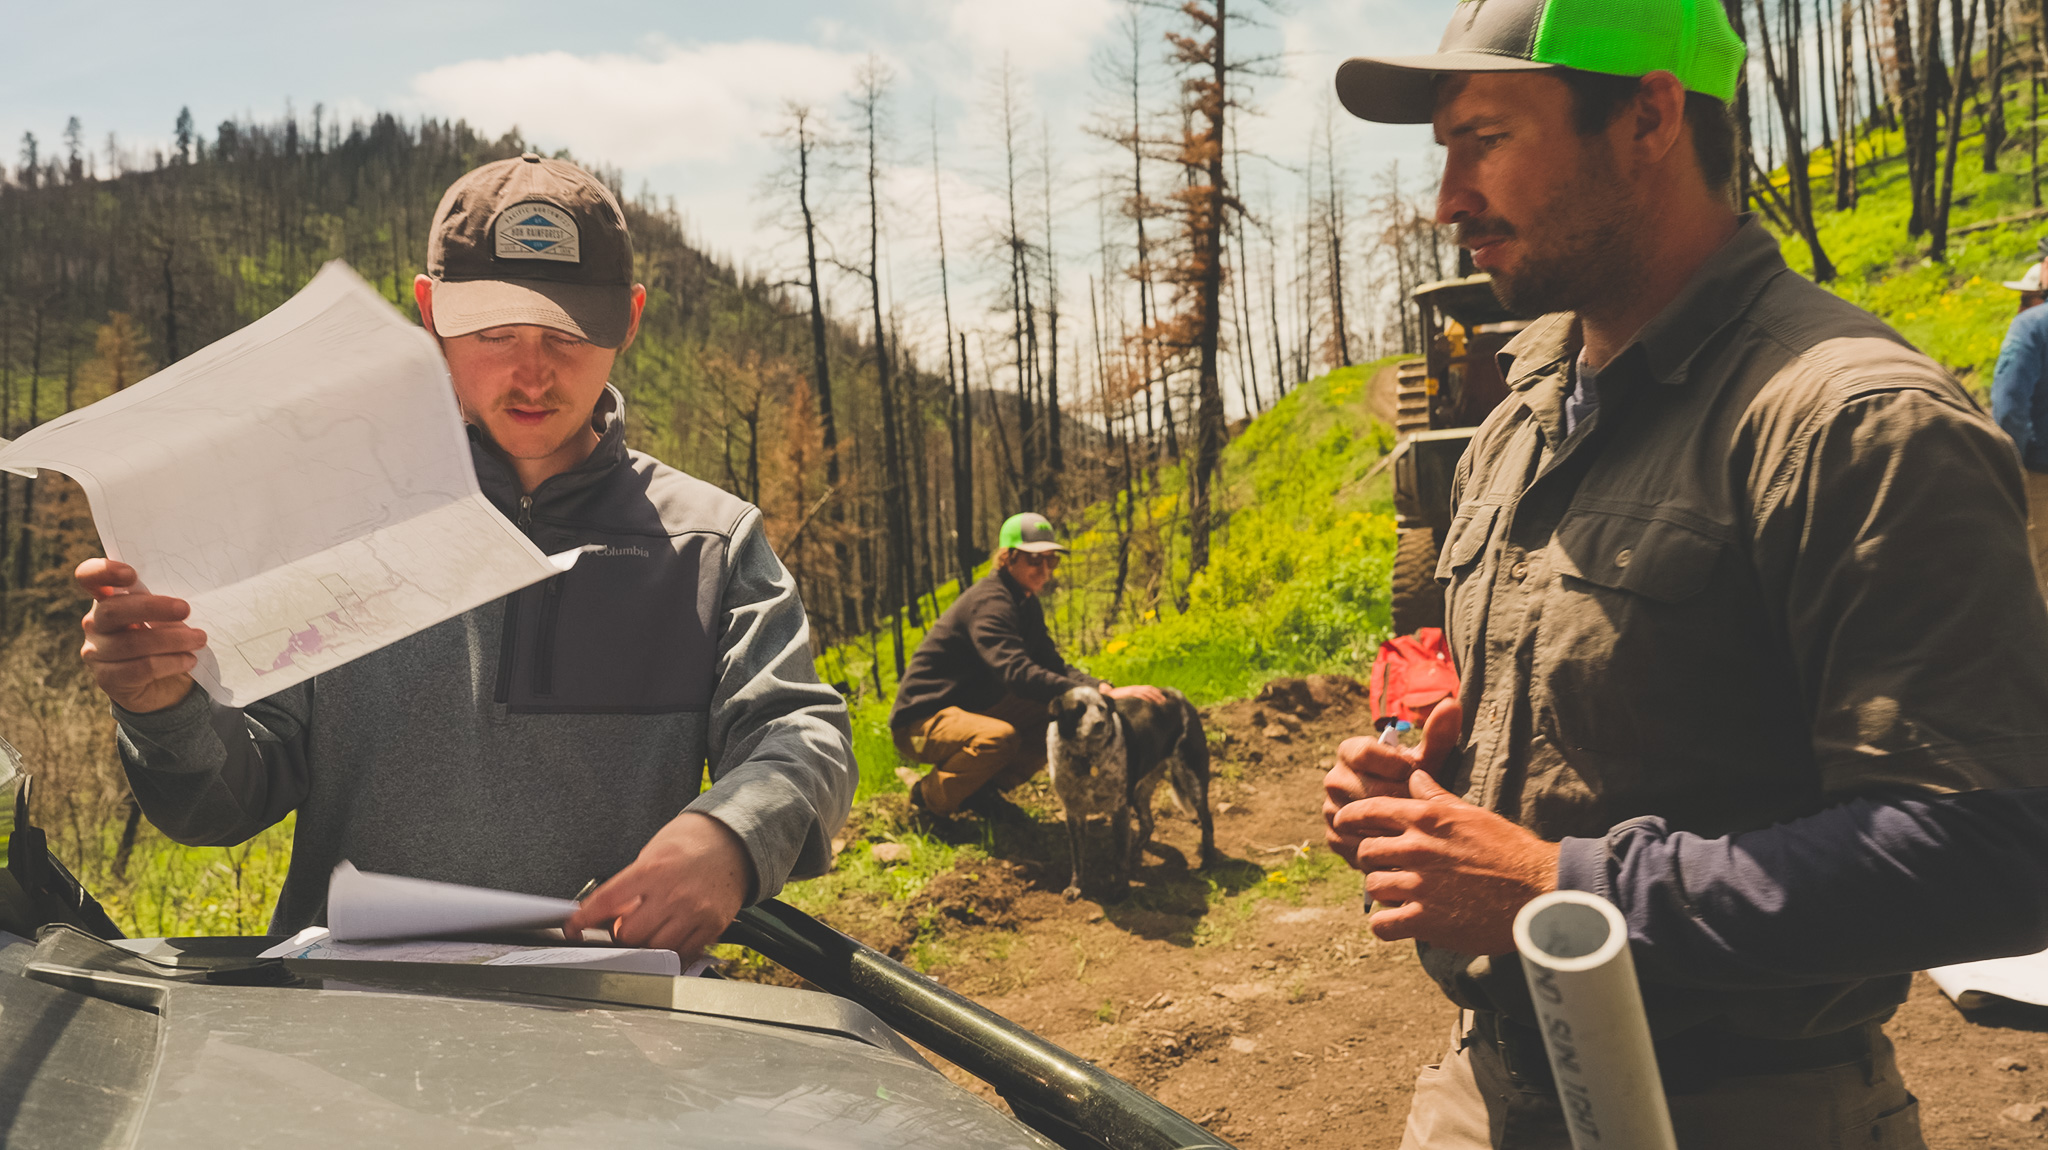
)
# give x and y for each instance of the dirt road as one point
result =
(1260, 1005)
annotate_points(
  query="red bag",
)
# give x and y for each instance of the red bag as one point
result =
(1410, 676)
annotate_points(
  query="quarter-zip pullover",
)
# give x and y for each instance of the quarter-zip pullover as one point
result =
(540, 741)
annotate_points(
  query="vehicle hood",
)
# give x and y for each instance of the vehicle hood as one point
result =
(98, 1048)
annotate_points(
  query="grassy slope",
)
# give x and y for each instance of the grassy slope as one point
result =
(1955, 311)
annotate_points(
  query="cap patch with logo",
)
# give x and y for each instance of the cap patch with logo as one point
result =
(1692, 39)
(536, 231)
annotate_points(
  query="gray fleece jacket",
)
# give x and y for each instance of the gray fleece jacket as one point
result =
(539, 741)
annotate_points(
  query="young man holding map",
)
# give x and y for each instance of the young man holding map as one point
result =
(558, 734)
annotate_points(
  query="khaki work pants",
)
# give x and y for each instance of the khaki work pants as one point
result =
(1470, 1102)
(2037, 524)
(969, 751)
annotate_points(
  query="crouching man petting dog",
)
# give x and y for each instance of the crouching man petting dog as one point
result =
(1109, 755)
(973, 703)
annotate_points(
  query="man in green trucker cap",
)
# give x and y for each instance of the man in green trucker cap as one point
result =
(1739, 592)
(973, 702)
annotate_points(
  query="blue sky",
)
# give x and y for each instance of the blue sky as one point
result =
(679, 94)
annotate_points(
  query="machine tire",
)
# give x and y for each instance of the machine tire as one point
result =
(1418, 600)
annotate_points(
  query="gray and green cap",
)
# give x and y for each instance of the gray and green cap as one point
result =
(1030, 532)
(1691, 39)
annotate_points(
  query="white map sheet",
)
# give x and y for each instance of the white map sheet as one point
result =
(304, 483)
(1974, 985)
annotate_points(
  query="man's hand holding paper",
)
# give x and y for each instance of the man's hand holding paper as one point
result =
(138, 645)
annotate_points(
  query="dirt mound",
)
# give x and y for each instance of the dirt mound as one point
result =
(975, 892)
(875, 820)
(1309, 698)
(1312, 709)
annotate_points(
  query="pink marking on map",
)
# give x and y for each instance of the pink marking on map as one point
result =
(306, 642)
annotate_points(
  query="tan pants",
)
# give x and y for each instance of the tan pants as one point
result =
(1470, 1102)
(969, 751)
(2037, 524)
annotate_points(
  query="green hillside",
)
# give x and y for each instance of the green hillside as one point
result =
(1955, 311)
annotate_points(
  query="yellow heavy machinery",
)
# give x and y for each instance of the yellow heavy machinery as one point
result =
(1441, 398)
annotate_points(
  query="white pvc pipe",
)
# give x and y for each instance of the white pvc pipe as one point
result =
(1575, 954)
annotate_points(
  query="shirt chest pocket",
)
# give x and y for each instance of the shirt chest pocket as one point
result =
(1466, 541)
(1457, 569)
(1657, 559)
(1629, 627)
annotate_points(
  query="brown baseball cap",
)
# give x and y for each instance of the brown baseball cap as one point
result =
(532, 241)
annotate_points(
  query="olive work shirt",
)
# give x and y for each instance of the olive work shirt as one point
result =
(1781, 563)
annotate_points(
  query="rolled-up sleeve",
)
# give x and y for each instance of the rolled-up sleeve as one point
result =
(1916, 625)
(781, 750)
(1817, 899)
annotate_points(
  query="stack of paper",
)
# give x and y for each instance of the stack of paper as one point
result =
(315, 942)
(369, 914)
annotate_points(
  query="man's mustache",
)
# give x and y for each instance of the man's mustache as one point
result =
(1472, 233)
(549, 399)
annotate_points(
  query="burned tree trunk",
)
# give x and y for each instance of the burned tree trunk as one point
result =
(1200, 274)
(1995, 133)
(1966, 29)
(1784, 79)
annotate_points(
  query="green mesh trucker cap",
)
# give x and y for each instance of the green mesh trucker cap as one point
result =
(1029, 532)
(1691, 39)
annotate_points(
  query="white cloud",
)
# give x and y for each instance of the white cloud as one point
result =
(1039, 36)
(673, 104)
(690, 120)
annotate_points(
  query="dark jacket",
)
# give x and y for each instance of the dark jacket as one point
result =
(991, 642)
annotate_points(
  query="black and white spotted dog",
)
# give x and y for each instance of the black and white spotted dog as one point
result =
(1107, 756)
